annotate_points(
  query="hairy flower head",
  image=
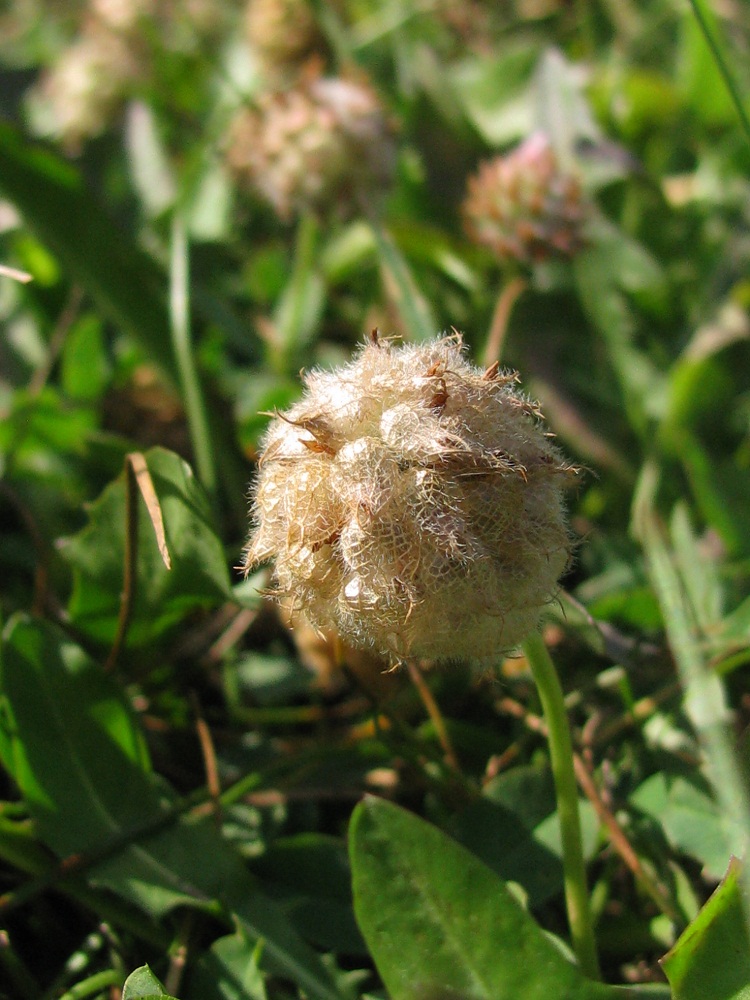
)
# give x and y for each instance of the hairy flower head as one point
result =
(412, 503)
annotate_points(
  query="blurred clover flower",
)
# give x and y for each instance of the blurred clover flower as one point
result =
(83, 90)
(413, 503)
(115, 53)
(320, 145)
(524, 207)
(282, 33)
(204, 16)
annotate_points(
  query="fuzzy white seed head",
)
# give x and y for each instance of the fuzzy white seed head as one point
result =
(412, 503)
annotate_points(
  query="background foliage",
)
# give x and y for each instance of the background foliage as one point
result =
(179, 768)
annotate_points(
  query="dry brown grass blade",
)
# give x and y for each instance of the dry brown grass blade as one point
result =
(153, 506)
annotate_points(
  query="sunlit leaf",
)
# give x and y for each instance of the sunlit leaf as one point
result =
(711, 960)
(443, 926)
(496, 95)
(691, 819)
(143, 985)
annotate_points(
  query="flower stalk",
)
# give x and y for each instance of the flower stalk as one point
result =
(561, 755)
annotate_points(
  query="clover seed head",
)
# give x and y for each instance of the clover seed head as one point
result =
(319, 146)
(524, 207)
(413, 503)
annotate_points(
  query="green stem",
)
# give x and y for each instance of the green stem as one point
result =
(93, 985)
(561, 754)
(508, 297)
(704, 699)
(722, 64)
(179, 314)
(293, 326)
(17, 974)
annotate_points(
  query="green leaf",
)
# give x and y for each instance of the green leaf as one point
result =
(427, 244)
(441, 925)
(562, 112)
(208, 205)
(711, 960)
(300, 307)
(198, 576)
(514, 829)
(705, 700)
(77, 757)
(495, 93)
(85, 366)
(611, 266)
(41, 433)
(143, 985)
(691, 819)
(150, 169)
(735, 629)
(309, 877)
(720, 487)
(699, 390)
(272, 680)
(698, 571)
(227, 971)
(56, 204)
(349, 250)
(413, 307)
(699, 74)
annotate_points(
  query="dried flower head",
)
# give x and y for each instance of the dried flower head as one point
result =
(412, 503)
(282, 33)
(524, 207)
(81, 93)
(313, 147)
(117, 52)
(163, 21)
(123, 16)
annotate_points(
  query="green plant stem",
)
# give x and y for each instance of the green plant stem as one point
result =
(721, 63)
(561, 754)
(179, 317)
(508, 297)
(704, 699)
(93, 985)
(293, 328)
(16, 973)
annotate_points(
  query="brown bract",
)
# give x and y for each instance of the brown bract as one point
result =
(412, 502)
